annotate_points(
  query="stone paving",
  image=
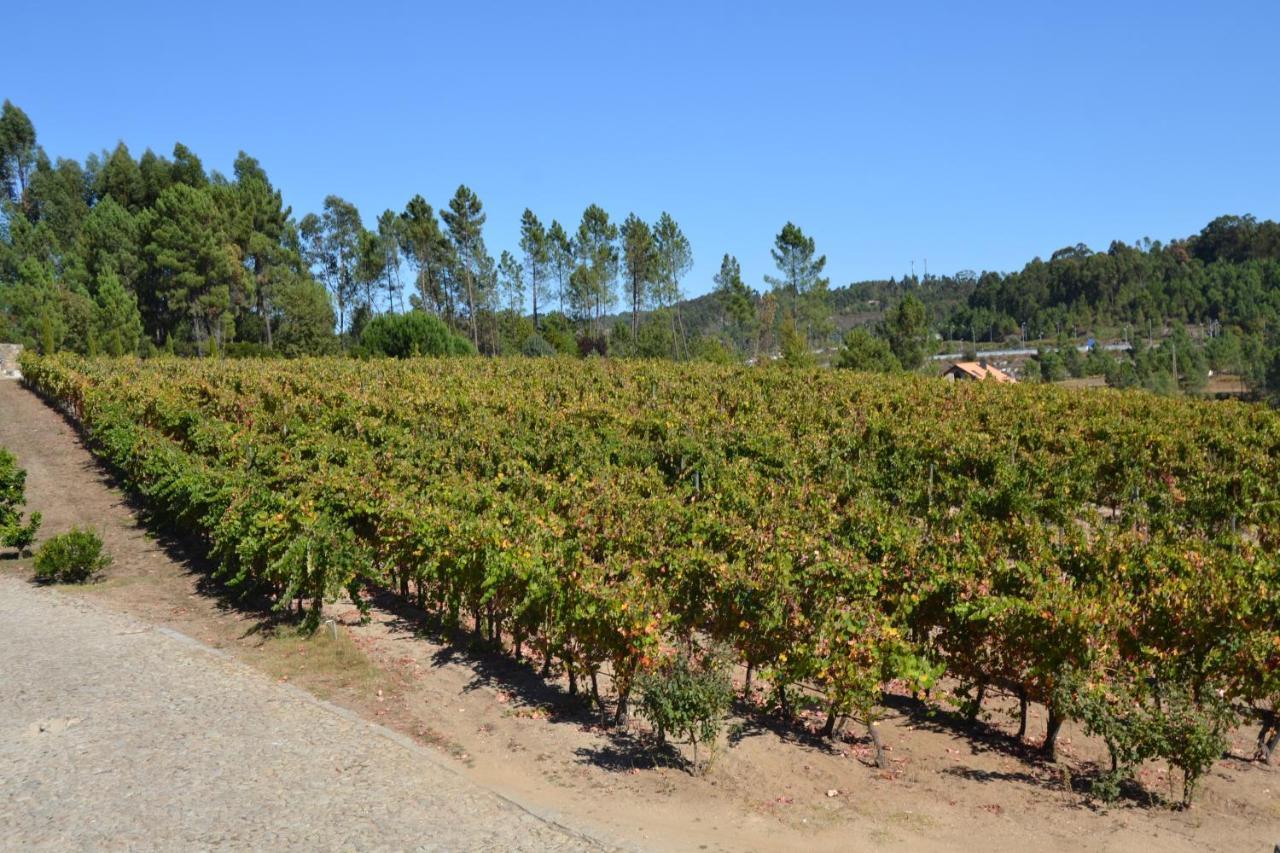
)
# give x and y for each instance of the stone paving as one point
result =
(117, 735)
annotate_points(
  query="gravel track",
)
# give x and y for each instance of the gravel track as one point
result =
(115, 734)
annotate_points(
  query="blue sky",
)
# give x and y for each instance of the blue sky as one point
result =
(974, 135)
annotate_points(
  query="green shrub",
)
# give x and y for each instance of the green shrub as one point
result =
(1195, 735)
(714, 350)
(864, 351)
(21, 536)
(412, 334)
(557, 330)
(458, 345)
(535, 346)
(1140, 719)
(1052, 368)
(1121, 713)
(71, 557)
(687, 698)
(13, 532)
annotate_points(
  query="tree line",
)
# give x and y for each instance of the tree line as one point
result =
(122, 255)
(133, 255)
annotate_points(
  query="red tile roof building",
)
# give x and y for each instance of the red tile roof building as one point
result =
(975, 370)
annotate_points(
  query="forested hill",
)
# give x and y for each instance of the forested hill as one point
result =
(1229, 273)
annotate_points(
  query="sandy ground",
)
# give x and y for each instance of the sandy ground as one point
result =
(952, 785)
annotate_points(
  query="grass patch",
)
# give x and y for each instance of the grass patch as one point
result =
(327, 662)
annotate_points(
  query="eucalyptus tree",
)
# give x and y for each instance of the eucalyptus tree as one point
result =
(56, 196)
(332, 242)
(511, 280)
(192, 254)
(486, 298)
(156, 174)
(17, 151)
(117, 175)
(187, 167)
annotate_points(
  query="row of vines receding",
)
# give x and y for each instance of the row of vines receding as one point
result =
(1110, 556)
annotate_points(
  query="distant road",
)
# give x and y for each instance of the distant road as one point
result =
(1027, 351)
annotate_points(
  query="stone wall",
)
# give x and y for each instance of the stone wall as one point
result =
(9, 361)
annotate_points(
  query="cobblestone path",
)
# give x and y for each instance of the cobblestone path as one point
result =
(118, 735)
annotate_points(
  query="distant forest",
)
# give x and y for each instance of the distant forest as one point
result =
(1229, 273)
(118, 254)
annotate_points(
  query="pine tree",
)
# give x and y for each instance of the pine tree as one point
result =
(674, 259)
(431, 254)
(536, 246)
(735, 300)
(906, 327)
(190, 266)
(264, 234)
(560, 253)
(640, 264)
(465, 223)
(597, 251)
(390, 227)
(119, 324)
(803, 294)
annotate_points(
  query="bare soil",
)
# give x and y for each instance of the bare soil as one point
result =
(1226, 383)
(1083, 382)
(952, 784)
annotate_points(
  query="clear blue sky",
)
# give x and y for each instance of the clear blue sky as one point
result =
(975, 135)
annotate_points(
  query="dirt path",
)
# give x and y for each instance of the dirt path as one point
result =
(114, 734)
(511, 732)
